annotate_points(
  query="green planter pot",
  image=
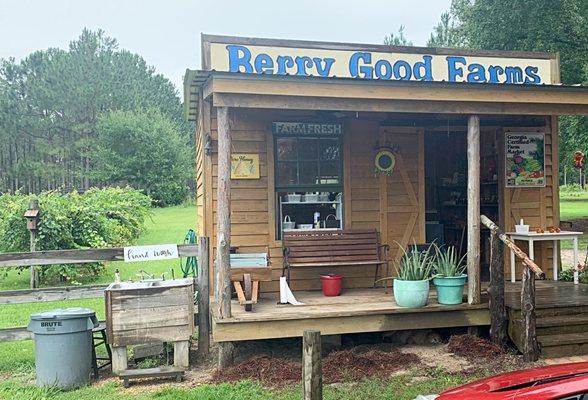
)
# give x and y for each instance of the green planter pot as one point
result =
(450, 289)
(411, 294)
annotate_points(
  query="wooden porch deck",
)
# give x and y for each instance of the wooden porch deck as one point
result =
(355, 311)
(372, 310)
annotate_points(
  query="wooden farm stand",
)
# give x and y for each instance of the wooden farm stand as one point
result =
(310, 139)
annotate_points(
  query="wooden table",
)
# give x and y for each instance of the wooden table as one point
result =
(533, 237)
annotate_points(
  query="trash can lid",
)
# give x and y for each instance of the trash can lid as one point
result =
(64, 313)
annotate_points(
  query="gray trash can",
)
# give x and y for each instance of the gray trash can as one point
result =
(63, 346)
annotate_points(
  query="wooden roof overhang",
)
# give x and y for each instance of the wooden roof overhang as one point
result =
(345, 94)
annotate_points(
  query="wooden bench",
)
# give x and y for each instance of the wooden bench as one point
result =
(348, 247)
(247, 270)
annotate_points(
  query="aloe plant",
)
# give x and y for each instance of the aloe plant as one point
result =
(415, 265)
(447, 262)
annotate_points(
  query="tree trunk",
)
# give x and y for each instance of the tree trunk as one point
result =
(473, 212)
(223, 267)
(530, 345)
(498, 317)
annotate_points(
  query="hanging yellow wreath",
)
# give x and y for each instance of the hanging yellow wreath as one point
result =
(385, 162)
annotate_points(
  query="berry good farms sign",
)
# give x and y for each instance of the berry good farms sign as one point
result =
(275, 60)
(525, 159)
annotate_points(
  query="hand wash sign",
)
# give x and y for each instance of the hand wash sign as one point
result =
(271, 60)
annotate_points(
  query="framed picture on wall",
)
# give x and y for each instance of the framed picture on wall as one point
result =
(525, 159)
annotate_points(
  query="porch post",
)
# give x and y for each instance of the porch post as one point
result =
(473, 256)
(223, 266)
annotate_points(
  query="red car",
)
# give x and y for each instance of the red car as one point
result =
(555, 382)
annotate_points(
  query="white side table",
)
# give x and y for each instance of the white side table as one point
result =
(532, 237)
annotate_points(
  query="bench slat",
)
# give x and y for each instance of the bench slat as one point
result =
(337, 264)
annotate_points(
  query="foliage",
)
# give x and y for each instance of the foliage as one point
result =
(52, 100)
(567, 275)
(445, 33)
(398, 39)
(415, 265)
(447, 262)
(542, 25)
(97, 218)
(125, 138)
(572, 190)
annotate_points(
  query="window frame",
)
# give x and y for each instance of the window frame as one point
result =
(334, 187)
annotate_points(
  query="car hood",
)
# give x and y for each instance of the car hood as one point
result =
(537, 383)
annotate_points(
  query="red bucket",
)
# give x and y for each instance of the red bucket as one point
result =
(331, 284)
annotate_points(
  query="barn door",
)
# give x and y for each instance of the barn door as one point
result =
(402, 195)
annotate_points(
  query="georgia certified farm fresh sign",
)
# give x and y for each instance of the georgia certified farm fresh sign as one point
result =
(377, 65)
(525, 159)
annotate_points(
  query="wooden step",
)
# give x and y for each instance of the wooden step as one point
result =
(561, 324)
(564, 345)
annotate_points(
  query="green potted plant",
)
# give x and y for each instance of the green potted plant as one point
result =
(449, 275)
(411, 285)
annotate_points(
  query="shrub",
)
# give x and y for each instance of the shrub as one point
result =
(146, 150)
(572, 189)
(108, 217)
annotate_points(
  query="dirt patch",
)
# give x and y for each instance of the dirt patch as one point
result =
(353, 364)
(435, 356)
(270, 371)
(473, 348)
(338, 366)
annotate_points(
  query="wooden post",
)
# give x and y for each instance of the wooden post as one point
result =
(473, 212)
(182, 354)
(223, 265)
(203, 298)
(34, 272)
(312, 371)
(498, 318)
(226, 354)
(530, 345)
(527, 262)
(119, 359)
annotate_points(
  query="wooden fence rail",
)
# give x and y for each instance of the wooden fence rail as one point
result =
(51, 294)
(498, 318)
(50, 257)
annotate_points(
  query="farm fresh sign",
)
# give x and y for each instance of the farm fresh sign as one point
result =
(525, 159)
(377, 65)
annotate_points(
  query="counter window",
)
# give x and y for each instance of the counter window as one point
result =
(309, 183)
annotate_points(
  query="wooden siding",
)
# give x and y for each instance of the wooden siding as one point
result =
(200, 196)
(392, 205)
(539, 207)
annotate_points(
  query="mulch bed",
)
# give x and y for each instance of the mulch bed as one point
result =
(473, 348)
(338, 366)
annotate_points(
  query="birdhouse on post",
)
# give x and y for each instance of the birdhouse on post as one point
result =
(32, 216)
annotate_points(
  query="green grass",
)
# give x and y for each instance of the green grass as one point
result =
(17, 358)
(400, 387)
(12, 315)
(167, 225)
(574, 206)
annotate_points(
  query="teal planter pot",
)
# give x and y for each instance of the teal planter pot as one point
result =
(411, 294)
(450, 289)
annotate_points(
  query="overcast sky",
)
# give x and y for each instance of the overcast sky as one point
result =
(167, 32)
